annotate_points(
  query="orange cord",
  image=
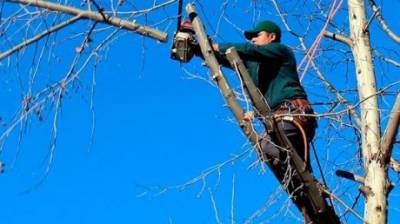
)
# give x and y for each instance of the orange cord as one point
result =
(312, 50)
(303, 133)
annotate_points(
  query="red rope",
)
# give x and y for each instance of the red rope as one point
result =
(333, 10)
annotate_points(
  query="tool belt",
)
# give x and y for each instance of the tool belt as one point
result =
(299, 111)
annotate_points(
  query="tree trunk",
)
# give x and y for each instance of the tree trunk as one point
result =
(375, 172)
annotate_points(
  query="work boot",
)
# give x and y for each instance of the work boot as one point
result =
(307, 218)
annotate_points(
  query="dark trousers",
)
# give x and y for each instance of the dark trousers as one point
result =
(280, 157)
(295, 137)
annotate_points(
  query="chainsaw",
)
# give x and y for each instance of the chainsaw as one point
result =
(184, 43)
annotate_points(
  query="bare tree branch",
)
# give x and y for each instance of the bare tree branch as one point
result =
(391, 130)
(338, 37)
(144, 11)
(395, 165)
(233, 201)
(38, 37)
(388, 60)
(85, 14)
(382, 22)
(215, 209)
(343, 203)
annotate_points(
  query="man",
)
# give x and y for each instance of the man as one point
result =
(272, 67)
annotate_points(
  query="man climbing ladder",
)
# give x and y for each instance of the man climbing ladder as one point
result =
(272, 67)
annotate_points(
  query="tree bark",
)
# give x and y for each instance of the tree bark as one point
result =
(375, 210)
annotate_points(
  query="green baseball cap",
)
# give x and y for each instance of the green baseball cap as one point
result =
(267, 26)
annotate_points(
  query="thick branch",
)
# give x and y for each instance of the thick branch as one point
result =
(84, 14)
(391, 130)
(382, 22)
(38, 37)
(338, 37)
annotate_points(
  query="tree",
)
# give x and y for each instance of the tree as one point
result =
(359, 51)
(375, 150)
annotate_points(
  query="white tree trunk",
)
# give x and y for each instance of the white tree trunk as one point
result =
(375, 172)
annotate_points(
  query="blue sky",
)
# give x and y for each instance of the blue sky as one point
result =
(156, 127)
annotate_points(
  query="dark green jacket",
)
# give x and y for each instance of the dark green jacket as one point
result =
(273, 70)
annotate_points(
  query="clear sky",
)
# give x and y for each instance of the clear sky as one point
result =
(127, 151)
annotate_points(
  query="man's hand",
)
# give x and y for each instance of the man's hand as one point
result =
(248, 116)
(215, 47)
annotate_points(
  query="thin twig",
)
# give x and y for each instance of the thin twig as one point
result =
(395, 165)
(388, 60)
(233, 201)
(382, 22)
(215, 209)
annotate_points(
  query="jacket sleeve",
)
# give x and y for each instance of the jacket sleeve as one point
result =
(221, 58)
(247, 51)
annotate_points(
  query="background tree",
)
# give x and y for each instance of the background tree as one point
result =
(51, 53)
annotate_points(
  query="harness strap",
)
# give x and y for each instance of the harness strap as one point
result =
(300, 127)
(283, 113)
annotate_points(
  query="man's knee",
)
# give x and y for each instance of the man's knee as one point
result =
(270, 148)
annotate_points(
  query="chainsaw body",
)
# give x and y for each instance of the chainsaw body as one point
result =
(183, 42)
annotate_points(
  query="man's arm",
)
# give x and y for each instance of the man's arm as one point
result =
(220, 57)
(252, 52)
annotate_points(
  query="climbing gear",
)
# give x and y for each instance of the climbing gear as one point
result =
(298, 111)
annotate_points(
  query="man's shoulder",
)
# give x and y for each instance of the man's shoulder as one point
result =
(278, 46)
(224, 46)
(279, 49)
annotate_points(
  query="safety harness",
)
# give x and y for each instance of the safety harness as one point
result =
(298, 112)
